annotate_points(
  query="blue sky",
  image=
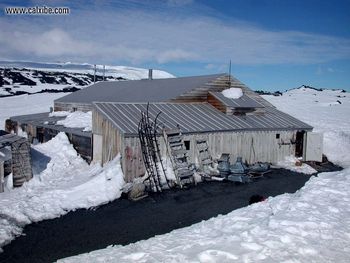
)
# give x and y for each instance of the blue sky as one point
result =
(273, 44)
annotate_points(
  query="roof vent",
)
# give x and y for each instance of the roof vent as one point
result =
(150, 74)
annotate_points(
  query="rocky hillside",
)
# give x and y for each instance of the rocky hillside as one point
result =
(17, 78)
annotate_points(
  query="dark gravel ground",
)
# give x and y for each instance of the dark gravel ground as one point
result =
(124, 221)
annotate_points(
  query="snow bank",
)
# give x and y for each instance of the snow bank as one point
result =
(289, 163)
(300, 227)
(66, 183)
(78, 119)
(233, 93)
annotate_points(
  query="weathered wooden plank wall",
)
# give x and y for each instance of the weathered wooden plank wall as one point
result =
(72, 106)
(253, 146)
(112, 141)
(132, 159)
(2, 176)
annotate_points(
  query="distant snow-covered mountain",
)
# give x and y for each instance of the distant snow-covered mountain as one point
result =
(307, 87)
(18, 78)
(301, 88)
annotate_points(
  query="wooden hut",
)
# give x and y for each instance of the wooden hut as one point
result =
(249, 127)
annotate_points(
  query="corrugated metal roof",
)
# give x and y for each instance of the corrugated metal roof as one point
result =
(194, 118)
(155, 90)
(242, 102)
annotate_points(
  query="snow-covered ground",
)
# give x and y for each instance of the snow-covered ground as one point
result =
(312, 225)
(62, 182)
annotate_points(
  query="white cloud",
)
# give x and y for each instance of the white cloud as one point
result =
(137, 36)
(52, 43)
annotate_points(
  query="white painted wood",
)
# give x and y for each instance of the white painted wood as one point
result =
(313, 146)
(97, 148)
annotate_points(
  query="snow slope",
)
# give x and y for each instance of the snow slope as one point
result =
(312, 225)
(62, 182)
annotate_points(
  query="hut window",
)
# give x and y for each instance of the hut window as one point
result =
(277, 135)
(187, 145)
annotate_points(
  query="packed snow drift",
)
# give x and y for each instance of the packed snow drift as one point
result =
(312, 225)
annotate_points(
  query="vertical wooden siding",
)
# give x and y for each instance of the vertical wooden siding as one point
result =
(72, 106)
(252, 146)
(112, 141)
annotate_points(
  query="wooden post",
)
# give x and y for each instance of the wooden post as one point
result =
(2, 174)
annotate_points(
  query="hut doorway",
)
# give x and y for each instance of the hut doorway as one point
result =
(299, 143)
